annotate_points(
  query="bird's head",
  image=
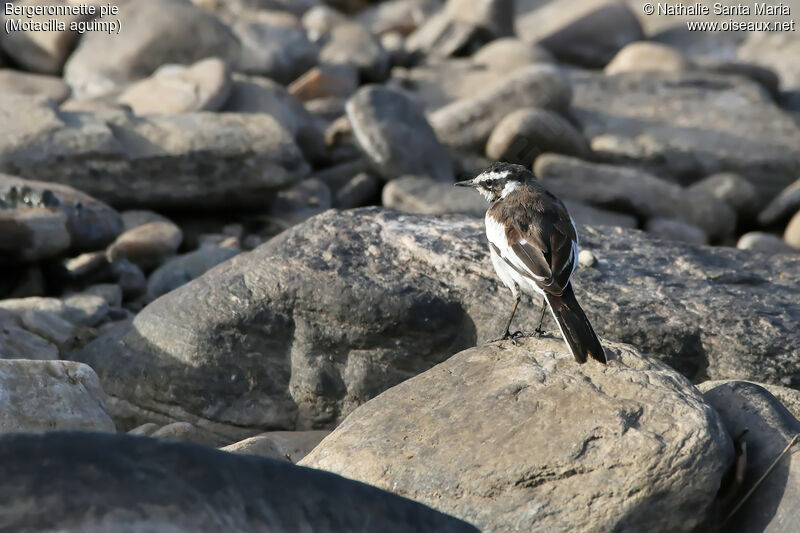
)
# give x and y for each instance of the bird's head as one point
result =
(498, 180)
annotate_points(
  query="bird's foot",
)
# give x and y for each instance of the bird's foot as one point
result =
(510, 336)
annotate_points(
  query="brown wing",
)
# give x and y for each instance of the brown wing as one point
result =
(541, 236)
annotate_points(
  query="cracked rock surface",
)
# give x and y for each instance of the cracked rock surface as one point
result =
(521, 438)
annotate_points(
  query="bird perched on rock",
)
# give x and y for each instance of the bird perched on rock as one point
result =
(534, 248)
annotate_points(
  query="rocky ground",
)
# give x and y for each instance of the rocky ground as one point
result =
(232, 225)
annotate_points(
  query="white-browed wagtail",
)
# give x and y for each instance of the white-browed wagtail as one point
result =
(533, 243)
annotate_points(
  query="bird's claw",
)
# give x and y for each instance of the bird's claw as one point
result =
(510, 336)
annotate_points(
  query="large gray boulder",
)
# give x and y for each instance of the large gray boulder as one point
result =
(303, 329)
(752, 414)
(190, 160)
(520, 438)
(689, 125)
(98, 482)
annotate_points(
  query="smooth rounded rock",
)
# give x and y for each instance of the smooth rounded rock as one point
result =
(273, 47)
(644, 56)
(792, 232)
(395, 135)
(413, 194)
(148, 245)
(782, 207)
(510, 53)
(202, 86)
(526, 133)
(283, 445)
(676, 230)
(182, 269)
(733, 189)
(765, 243)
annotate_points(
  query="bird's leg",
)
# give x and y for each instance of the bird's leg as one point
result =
(539, 331)
(506, 334)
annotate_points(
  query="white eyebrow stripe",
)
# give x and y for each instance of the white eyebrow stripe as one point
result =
(488, 176)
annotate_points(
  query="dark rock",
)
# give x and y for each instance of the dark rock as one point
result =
(190, 160)
(776, 51)
(688, 125)
(275, 48)
(47, 395)
(184, 268)
(327, 81)
(394, 134)
(587, 33)
(42, 220)
(306, 199)
(734, 190)
(463, 26)
(591, 216)
(35, 50)
(676, 230)
(526, 133)
(435, 85)
(300, 331)
(361, 190)
(184, 432)
(348, 43)
(397, 16)
(765, 426)
(537, 431)
(155, 33)
(97, 481)
(782, 207)
(412, 194)
(251, 94)
(19, 343)
(467, 123)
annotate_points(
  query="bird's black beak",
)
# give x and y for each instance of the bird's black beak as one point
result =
(465, 183)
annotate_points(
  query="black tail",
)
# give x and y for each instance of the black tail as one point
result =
(575, 328)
